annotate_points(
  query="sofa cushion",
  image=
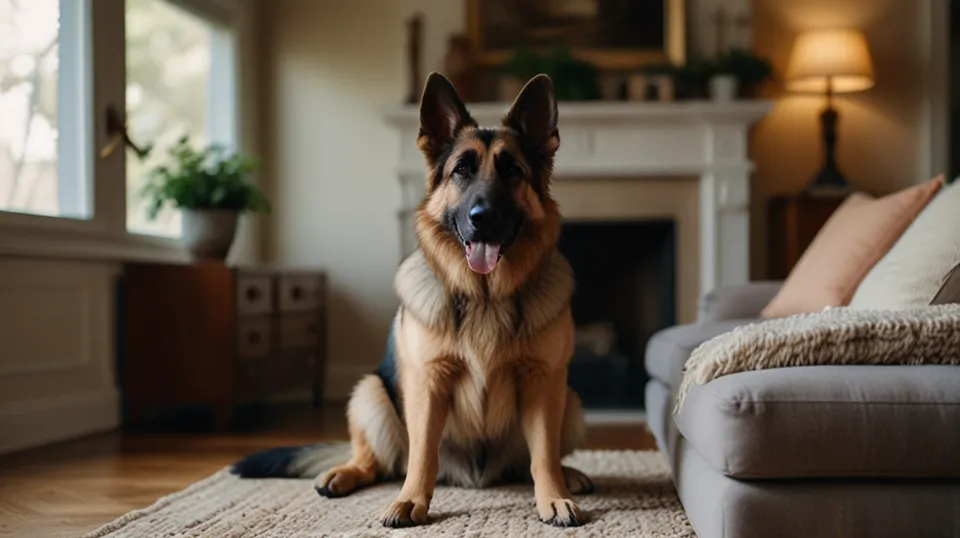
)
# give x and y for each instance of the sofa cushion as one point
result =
(724, 507)
(669, 349)
(910, 274)
(820, 421)
(850, 243)
(737, 301)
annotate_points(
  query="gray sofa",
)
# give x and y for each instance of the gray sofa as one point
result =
(817, 451)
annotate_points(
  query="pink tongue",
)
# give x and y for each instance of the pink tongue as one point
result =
(483, 257)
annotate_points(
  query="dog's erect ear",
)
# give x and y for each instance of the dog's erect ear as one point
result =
(534, 114)
(442, 115)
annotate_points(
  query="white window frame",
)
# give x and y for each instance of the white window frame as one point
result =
(105, 236)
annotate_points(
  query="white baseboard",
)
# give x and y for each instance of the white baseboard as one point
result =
(42, 421)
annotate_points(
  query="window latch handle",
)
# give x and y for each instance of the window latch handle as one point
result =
(117, 131)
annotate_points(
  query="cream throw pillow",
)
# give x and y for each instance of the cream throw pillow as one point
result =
(912, 272)
(850, 243)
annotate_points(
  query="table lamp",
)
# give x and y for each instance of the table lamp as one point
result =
(829, 61)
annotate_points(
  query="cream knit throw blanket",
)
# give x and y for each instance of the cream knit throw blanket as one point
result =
(922, 335)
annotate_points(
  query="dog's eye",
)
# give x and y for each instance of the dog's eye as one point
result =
(461, 169)
(514, 171)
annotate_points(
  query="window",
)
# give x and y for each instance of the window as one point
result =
(67, 186)
(45, 108)
(179, 77)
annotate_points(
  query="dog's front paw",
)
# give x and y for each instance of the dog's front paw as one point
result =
(559, 512)
(405, 513)
(342, 480)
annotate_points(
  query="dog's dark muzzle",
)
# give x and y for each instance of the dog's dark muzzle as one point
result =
(487, 230)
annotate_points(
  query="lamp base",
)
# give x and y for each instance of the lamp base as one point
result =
(829, 180)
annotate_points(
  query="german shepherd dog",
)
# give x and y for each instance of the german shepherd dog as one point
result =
(472, 390)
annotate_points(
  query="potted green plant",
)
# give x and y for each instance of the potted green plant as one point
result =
(693, 78)
(573, 79)
(212, 187)
(747, 68)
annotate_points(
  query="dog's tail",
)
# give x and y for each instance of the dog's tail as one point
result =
(305, 461)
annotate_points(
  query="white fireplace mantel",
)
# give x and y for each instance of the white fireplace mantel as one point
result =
(637, 141)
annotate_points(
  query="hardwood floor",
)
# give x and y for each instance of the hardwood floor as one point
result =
(68, 489)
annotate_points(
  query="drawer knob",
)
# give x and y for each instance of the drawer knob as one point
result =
(253, 294)
(297, 293)
(253, 338)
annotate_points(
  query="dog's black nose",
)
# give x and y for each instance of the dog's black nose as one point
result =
(480, 214)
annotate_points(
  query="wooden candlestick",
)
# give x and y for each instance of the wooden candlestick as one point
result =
(414, 45)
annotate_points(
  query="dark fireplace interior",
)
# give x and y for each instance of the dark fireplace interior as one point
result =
(625, 293)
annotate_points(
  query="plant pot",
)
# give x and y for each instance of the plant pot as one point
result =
(209, 233)
(723, 88)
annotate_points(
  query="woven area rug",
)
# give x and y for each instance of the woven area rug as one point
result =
(634, 497)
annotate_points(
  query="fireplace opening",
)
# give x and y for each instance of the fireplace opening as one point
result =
(625, 293)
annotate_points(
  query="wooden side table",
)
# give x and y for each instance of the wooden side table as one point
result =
(793, 223)
(213, 335)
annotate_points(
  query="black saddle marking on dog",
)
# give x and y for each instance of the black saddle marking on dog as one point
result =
(387, 370)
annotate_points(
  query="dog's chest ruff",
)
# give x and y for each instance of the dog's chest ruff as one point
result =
(532, 308)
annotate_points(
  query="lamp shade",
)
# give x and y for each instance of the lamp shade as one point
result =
(841, 56)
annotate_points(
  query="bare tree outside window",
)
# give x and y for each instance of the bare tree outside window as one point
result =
(29, 67)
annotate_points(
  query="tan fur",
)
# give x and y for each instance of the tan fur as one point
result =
(481, 359)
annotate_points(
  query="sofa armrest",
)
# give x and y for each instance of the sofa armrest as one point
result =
(737, 302)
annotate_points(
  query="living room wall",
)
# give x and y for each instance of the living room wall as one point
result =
(329, 68)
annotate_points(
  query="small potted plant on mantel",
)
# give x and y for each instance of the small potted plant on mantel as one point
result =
(212, 188)
(738, 73)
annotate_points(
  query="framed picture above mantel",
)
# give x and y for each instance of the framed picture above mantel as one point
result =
(613, 35)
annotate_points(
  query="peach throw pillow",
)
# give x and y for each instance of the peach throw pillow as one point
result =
(851, 242)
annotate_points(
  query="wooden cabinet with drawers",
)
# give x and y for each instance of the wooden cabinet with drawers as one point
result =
(794, 221)
(209, 334)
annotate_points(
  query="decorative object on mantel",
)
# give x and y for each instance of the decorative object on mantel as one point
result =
(460, 66)
(656, 82)
(637, 87)
(732, 75)
(724, 87)
(414, 48)
(830, 61)
(614, 35)
(212, 188)
(666, 89)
